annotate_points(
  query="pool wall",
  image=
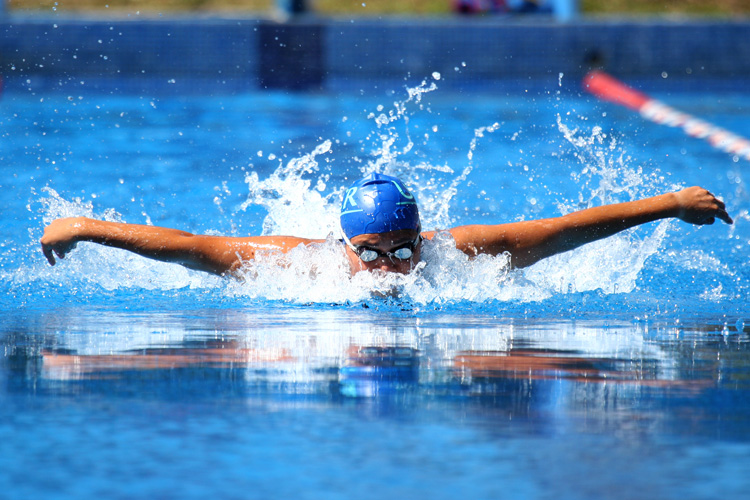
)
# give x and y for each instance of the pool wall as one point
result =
(323, 53)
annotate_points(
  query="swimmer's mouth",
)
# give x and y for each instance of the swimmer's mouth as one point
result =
(393, 292)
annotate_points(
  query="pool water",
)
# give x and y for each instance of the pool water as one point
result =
(619, 369)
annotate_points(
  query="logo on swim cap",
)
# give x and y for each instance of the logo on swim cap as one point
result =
(378, 204)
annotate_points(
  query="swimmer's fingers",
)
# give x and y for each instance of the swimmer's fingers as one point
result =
(721, 210)
(47, 251)
(59, 238)
(66, 249)
(60, 250)
(723, 215)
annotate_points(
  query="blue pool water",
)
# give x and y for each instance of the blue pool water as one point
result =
(614, 371)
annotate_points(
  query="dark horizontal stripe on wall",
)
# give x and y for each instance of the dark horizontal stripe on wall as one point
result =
(313, 53)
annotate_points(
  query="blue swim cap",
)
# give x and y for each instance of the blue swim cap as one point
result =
(377, 204)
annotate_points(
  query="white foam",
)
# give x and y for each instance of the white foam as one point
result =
(300, 200)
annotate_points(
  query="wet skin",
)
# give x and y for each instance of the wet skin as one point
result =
(385, 242)
(527, 241)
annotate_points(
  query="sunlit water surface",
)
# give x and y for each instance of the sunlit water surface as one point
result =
(617, 370)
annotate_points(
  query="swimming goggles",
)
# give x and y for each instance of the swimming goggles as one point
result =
(367, 254)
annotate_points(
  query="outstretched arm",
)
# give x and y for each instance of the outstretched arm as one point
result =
(214, 254)
(531, 241)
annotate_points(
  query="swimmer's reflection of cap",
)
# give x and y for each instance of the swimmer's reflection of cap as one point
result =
(377, 204)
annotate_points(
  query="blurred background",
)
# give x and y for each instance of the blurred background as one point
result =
(713, 8)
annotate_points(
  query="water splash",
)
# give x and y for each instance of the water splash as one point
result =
(91, 268)
(293, 207)
(612, 265)
(388, 151)
(607, 174)
(320, 273)
(301, 199)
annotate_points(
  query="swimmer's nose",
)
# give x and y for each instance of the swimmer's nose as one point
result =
(392, 267)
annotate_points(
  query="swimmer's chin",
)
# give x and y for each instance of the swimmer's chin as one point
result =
(392, 285)
(394, 292)
(383, 286)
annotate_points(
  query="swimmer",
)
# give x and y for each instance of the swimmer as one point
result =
(380, 229)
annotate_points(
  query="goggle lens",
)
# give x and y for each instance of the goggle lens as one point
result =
(403, 253)
(367, 255)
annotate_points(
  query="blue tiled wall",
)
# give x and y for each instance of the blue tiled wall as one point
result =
(129, 48)
(314, 53)
(521, 50)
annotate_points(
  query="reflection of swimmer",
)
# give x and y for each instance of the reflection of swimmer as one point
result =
(545, 364)
(374, 370)
(220, 354)
(381, 230)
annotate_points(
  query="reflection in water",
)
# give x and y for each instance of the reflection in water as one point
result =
(333, 356)
(537, 366)
(367, 370)
(225, 354)
(547, 364)
(374, 370)
(507, 405)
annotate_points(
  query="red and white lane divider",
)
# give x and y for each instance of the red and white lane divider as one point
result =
(608, 88)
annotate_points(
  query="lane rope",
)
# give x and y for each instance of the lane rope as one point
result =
(610, 89)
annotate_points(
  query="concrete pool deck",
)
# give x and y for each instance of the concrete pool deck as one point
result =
(320, 53)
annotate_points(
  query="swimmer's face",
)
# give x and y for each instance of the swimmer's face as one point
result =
(385, 243)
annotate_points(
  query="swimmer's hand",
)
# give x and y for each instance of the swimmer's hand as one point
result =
(698, 206)
(60, 237)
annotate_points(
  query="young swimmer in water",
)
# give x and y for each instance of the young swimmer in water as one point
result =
(381, 230)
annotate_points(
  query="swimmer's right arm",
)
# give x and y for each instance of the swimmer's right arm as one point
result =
(213, 254)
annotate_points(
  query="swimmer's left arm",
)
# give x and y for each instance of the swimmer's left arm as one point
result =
(531, 241)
